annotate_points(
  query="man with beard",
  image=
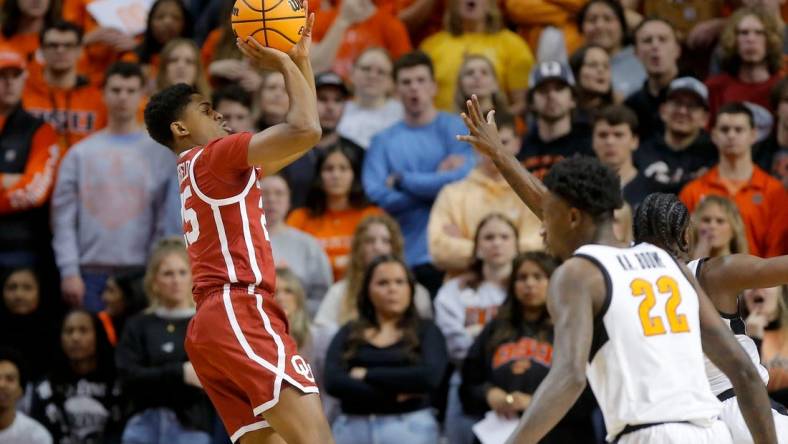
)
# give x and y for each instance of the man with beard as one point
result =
(554, 136)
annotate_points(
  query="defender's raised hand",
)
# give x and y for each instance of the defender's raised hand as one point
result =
(483, 132)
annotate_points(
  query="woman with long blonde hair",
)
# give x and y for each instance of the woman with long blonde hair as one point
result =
(374, 236)
(180, 63)
(718, 228)
(158, 379)
(768, 322)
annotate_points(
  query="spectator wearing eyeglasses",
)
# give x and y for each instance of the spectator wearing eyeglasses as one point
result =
(58, 94)
(683, 151)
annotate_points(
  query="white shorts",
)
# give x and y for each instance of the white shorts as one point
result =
(679, 433)
(731, 416)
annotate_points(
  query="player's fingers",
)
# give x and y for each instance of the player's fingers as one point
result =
(473, 140)
(477, 108)
(469, 123)
(491, 118)
(474, 111)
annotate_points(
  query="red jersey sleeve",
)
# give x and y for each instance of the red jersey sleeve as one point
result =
(227, 158)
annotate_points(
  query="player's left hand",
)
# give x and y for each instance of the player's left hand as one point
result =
(262, 57)
(483, 131)
(301, 49)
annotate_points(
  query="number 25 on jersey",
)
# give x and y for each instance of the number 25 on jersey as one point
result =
(654, 325)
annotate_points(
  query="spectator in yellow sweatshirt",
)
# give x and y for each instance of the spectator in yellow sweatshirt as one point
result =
(460, 207)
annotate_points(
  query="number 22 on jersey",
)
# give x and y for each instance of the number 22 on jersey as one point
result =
(654, 325)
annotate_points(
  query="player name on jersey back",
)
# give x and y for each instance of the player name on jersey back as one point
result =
(646, 363)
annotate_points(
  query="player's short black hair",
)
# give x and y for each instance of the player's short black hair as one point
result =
(125, 70)
(736, 108)
(232, 93)
(413, 59)
(164, 108)
(587, 185)
(62, 26)
(662, 219)
(616, 115)
(13, 356)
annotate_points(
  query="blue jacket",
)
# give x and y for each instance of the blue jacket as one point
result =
(414, 153)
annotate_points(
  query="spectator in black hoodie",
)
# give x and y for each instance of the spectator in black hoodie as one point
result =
(512, 355)
(166, 398)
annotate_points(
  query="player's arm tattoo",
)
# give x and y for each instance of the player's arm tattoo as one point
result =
(570, 303)
(724, 351)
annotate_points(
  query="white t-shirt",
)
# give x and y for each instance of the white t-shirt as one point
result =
(360, 124)
(25, 430)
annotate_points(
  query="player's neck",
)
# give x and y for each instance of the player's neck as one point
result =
(7, 418)
(603, 233)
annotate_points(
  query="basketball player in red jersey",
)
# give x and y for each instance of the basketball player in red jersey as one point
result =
(238, 340)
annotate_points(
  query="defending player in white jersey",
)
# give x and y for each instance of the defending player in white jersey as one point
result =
(663, 220)
(634, 317)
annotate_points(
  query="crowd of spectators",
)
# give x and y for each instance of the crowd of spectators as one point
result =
(413, 278)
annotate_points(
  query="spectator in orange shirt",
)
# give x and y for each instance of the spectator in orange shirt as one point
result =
(758, 195)
(180, 63)
(336, 203)
(58, 94)
(167, 20)
(21, 22)
(342, 33)
(30, 155)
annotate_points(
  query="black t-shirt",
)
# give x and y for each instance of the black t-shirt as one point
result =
(301, 173)
(539, 156)
(674, 169)
(646, 107)
(638, 188)
(771, 157)
(79, 410)
(520, 364)
(390, 373)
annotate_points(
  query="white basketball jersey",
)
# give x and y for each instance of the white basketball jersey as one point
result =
(646, 362)
(719, 382)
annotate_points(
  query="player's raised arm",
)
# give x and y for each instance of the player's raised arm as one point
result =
(738, 272)
(484, 137)
(275, 147)
(570, 304)
(724, 351)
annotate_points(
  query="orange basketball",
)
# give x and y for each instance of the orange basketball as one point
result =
(274, 23)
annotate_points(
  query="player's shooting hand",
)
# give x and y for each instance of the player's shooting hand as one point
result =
(261, 57)
(301, 49)
(483, 131)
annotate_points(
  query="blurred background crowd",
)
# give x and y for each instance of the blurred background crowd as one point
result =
(389, 217)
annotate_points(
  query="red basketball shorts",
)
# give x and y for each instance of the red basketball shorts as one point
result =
(239, 345)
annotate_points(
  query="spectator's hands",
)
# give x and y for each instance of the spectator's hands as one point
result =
(483, 132)
(393, 180)
(452, 230)
(521, 401)
(451, 162)
(9, 180)
(501, 402)
(73, 289)
(756, 321)
(115, 38)
(356, 11)
(190, 376)
(702, 244)
(474, 330)
(301, 49)
(358, 373)
(704, 33)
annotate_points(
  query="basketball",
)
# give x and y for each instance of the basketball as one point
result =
(276, 24)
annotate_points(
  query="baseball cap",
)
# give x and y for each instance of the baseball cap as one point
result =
(550, 70)
(10, 58)
(330, 78)
(690, 85)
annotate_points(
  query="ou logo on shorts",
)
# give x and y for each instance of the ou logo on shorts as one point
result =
(302, 367)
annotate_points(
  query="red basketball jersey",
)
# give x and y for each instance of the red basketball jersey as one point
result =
(223, 218)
